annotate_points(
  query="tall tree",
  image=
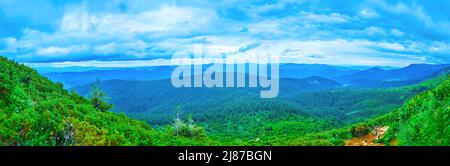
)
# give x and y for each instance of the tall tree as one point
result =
(99, 98)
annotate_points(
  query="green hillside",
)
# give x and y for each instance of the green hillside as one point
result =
(423, 120)
(35, 111)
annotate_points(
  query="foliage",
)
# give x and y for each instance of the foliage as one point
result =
(189, 129)
(99, 98)
(35, 111)
(425, 119)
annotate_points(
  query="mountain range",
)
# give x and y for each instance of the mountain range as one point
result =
(376, 77)
(346, 76)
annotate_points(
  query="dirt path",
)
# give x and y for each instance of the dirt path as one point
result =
(368, 139)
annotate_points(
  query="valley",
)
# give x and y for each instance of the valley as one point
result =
(305, 105)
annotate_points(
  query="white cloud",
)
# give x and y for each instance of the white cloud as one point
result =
(106, 48)
(135, 63)
(368, 13)
(413, 10)
(58, 51)
(334, 52)
(270, 27)
(11, 44)
(310, 35)
(397, 32)
(391, 46)
(166, 18)
(322, 18)
(375, 31)
(439, 47)
(53, 51)
(114, 33)
(302, 25)
(337, 52)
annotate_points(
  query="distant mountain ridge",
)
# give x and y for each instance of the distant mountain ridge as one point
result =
(72, 79)
(308, 70)
(370, 78)
(376, 77)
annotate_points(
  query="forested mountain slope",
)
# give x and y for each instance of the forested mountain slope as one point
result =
(35, 111)
(423, 120)
(156, 101)
(238, 116)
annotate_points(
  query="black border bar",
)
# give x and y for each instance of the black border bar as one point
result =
(278, 154)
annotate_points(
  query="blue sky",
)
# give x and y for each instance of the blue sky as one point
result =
(344, 32)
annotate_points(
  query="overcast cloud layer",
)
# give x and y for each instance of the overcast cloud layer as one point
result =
(344, 32)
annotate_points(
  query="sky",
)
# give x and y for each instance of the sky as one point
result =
(345, 32)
